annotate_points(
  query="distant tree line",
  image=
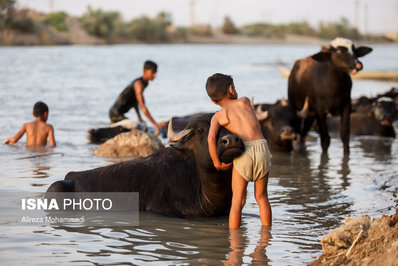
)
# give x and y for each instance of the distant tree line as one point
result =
(327, 30)
(110, 26)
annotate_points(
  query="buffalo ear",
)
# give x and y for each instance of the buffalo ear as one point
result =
(362, 51)
(321, 56)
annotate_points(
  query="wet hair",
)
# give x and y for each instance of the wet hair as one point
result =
(151, 66)
(39, 109)
(217, 86)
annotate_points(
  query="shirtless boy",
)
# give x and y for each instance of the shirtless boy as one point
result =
(37, 131)
(238, 116)
(133, 96)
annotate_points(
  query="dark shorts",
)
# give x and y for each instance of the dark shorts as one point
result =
(115, 116)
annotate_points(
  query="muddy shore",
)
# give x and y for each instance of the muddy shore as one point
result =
(362, 241)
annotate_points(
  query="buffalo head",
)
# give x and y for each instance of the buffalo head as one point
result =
(385, 111)
(280, 125)
(343, 55)
(194, 138)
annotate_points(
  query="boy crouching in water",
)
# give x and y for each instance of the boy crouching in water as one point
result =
(238, 116)
(37, 131)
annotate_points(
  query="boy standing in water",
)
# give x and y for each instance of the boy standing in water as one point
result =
(133, 96)
(238, 116)
(37, 131)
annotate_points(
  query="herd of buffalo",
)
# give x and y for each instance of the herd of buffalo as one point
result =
(180, 180)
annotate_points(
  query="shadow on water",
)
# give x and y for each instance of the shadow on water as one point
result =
(157, 239)
(377, 148)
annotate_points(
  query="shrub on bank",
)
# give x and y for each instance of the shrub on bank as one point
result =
(151, 30)
(325, 31)
(20, 21)
(10, 18)
(341, 28)
(57, 20)
(229, 27)
(264, 30)
(99, 23)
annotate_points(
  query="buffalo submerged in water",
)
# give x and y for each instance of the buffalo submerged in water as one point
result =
(179, 180)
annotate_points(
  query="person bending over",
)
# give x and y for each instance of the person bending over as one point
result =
(133, 96)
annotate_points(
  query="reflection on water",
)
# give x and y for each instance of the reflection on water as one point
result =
(40, 164)
(310, 193)
(40, 171)
(238, 244)
(377, 148)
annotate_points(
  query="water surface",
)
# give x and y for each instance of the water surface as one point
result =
(310, 193)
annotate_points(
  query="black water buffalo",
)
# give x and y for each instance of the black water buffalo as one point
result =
(280, 125)
(179, 123)
(366, 104)
(325, 79)
(178, 181)
(362, 104)
(375, 122)
(392, 93)
(262, 107)
(100, 135)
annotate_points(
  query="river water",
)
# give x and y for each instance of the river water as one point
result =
(310, 194)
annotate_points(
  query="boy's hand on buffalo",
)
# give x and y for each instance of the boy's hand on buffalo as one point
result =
(222, 166)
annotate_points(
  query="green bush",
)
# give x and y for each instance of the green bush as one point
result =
(229, 27)
(21, 22)
(12, 19)
(99, 23)
(326, 30)
(151, 30)
(6, 12)
(264, 30)
(341, 29)
(57, 20)
(180, 33)
(122, 30)
(300, 28)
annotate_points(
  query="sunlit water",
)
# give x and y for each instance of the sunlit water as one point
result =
(310, 194)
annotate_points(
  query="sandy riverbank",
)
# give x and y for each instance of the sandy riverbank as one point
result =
(362, 241)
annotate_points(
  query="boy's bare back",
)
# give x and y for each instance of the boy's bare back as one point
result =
(238, 116)
(37, 133)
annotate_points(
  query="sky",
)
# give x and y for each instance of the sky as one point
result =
(372, 16)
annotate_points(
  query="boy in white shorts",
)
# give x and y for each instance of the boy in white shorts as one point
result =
(238, 116)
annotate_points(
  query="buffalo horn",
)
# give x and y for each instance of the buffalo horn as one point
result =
(304, 111)
(284, 102)
(176, 137)
(261, 115)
